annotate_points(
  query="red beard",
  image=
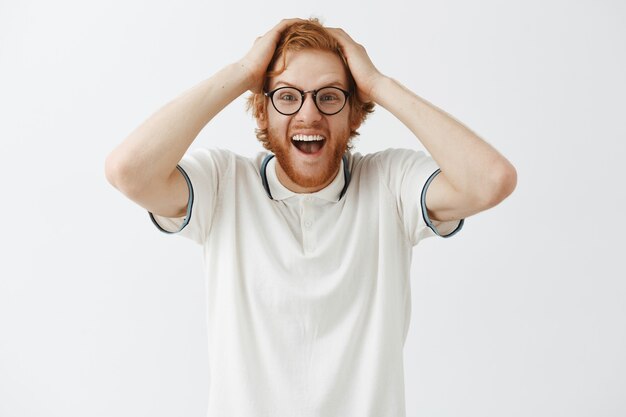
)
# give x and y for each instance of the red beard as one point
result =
(318, 177)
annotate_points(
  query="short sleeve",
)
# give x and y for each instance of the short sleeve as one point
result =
(407, 174)
(202, 169)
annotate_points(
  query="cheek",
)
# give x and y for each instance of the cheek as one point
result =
(342, 127)
(278, 125)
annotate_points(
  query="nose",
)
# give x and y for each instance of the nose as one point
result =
(309, 112)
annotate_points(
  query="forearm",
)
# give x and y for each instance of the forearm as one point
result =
(470, 164)
(150, 153)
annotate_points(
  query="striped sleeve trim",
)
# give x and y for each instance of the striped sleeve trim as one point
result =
(427, 220)
(189, 206)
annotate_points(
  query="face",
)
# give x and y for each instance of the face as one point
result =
(306, 166)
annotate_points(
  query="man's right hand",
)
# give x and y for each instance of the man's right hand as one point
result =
(256, 61)
(143, 166)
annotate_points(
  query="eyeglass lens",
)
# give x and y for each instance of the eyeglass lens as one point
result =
(329, 100)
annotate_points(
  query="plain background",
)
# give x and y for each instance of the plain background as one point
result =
(521, 314)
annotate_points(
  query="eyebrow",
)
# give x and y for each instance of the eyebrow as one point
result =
(331, 84)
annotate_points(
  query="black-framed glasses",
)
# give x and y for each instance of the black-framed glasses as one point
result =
(289, 100)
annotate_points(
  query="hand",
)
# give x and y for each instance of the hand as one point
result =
(363, 70)
(256, 61)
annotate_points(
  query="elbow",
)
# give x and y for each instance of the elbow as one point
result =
(116, 171)
(119, 175)
(112, 169)
(501, 183)
(507, 180)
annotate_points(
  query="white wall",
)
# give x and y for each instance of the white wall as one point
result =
(521, 314)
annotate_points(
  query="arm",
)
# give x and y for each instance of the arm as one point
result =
(143, 166)
(474, 176)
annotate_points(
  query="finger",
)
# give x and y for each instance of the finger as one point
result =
(284, 24)
(340, 33)
(346, 43)
(334, 32)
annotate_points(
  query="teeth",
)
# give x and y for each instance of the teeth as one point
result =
(307, 138)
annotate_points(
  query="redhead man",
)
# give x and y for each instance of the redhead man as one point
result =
(307, 246)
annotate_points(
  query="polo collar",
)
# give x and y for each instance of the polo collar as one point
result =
(277, 191)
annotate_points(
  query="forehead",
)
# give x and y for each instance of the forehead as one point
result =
(310, 69)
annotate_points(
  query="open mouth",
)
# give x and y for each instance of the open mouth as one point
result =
(308, 144)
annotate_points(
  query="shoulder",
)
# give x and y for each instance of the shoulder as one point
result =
(211, 155)
(216, 159)
(389, 159)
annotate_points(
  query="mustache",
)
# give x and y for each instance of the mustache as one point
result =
(314, 127)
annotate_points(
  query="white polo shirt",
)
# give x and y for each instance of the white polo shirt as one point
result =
(308, 294)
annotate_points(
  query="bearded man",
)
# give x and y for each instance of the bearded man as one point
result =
(307, 246)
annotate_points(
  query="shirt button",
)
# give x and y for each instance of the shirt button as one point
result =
(308, 224)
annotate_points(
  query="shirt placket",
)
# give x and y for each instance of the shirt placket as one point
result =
(307, 224)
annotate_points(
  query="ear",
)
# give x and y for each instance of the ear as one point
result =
(354, 125)
(261, 121)
(261, 111)
(355, 122)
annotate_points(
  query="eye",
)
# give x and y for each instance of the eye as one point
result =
(288, 95)
(329, 98)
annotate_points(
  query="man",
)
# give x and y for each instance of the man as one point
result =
(308, 247)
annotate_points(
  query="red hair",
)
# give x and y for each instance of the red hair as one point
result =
(309, 34)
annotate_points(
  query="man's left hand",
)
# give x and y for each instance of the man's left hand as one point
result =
(363, 70)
